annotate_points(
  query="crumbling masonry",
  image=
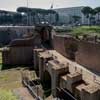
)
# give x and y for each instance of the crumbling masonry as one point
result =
(72, 64)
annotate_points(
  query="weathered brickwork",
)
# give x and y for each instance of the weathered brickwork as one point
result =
(66, 74)
(83, 52)
(88, 55)
(66, 45)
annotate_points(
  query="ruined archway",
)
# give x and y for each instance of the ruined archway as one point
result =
(46, 83)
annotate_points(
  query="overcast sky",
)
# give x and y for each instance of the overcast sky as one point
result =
(13, 4)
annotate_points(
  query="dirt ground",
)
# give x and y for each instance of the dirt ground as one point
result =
(11, 79)
(23, 93)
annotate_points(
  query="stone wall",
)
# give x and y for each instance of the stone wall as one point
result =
(88, 55)
(19, 51)
(17, 55)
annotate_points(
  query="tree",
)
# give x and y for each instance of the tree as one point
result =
(87, 12)
(26, 11)
(38, 14)
(97, 10)
(52, 12)
(92, 16)
(76, 19)
(57, 18)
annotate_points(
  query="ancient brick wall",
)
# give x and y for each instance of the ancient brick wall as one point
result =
(88, 55)
(18, 55)
(19, 51)
(65, 45)
(58, 43)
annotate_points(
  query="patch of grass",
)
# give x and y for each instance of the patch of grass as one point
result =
(63, 30)
(4, 78)
(10, 79)
(80, 31)
(0, 66)
(7, 95)
(0, 60)
(86, 30)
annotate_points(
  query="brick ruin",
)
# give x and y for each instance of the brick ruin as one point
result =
(67, 60)
(88, 55)
(65, 45)
(19, 51)
(66, 74)
(84, 52)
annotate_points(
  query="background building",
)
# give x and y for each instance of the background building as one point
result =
(68, 15)
(60, 16)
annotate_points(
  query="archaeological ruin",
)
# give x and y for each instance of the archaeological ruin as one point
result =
(63, 62)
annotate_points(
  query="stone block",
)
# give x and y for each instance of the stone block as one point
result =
(91, 92)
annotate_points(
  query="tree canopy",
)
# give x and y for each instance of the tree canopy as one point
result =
(97, 9)
(35, 10)
(86, 11)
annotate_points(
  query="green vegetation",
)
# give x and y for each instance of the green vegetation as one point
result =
(90, 14)
(7, 95)
(86, 30)
(10, 79)
(80, 31)
(63, 30)
(0, 60)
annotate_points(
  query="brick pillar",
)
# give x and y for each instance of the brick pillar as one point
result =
(41, 68)
(36, 58)
(54, 83)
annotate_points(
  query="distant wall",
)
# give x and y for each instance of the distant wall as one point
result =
(88, 55)
(9, 33)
